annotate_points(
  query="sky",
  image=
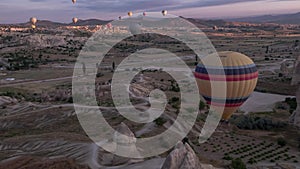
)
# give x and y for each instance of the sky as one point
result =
(18, 11)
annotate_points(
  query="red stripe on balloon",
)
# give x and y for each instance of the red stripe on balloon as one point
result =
(225, 105)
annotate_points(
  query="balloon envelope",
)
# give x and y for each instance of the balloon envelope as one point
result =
(33, 20)
(164, 12)
(75, 20)
(74, 1)
(240, 74)
(33, 26)
(130, 13)
(135, 29)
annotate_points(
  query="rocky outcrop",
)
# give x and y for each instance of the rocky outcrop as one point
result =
(125, 144)
(183, 157)
(45, 40)
(4, 100)
(295, 117)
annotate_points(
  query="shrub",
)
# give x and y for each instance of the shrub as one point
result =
(281, 141)
(201, 105)
(159, 121)
(227, 157)
(238, 164)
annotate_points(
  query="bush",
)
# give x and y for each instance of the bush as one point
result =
(292, 102)
(201, 105)
(238, 164)
(227, 157)
(281, 141)
(160, 121)
(248, 122)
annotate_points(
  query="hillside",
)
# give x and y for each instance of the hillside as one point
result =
(51, 24)
(279, 19)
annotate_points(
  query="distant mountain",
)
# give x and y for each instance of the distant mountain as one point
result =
(207, 23)
(50, 24)
(279, 19)
(90, 22)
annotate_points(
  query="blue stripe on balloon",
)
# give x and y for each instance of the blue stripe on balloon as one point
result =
(227, 67)
(226, 70)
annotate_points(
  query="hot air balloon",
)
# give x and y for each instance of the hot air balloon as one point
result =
(75, 20)
(135, 29)
(33, 27)
(240, 74)
(33, 20)
(109, 26)
(130, 13)
(164, 12)
(74, 1)
(144, 14)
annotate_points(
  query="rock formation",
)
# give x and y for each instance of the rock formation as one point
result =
(295, 118)
(183, 157)
(125, 140)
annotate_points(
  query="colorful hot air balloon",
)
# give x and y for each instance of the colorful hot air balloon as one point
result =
(240, 75)
(164, 12)
(33, 20)
(75, 20)
(130, 13)
(74, 1)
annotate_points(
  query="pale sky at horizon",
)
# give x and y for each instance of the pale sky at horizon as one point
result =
(17, 11)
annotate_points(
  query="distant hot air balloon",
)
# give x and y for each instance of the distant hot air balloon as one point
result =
(144, 13)
(33, 27)
(74, 1)
(33, 20)
(240, 75)
(109, 26)
(164, 12)
(130, 13)
(135, 29)
(75, 20)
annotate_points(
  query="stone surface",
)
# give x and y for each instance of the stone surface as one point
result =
(295, 117)
(183, 157)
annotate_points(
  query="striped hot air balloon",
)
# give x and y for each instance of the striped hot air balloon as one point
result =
(240, 74)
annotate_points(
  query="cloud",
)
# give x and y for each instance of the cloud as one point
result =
(126, 5)
(63, 10)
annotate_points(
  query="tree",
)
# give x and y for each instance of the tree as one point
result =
(281, 141)
(113, 65)
(201, 105)
(238, 164)
(267, 50)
